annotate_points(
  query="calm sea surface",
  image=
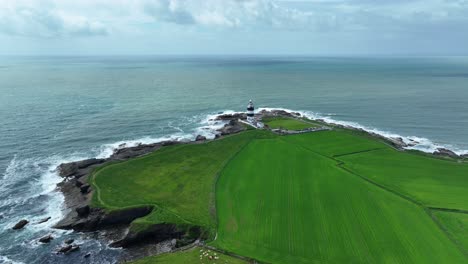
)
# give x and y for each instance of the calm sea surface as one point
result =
(68, 108)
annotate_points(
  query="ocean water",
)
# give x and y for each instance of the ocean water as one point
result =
(56, 109)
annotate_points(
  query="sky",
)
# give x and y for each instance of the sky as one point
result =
(234, 27)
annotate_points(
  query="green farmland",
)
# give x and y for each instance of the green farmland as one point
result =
(431, 181)
(324, 197)
(456, 225)
(281, 203)
(287, 123)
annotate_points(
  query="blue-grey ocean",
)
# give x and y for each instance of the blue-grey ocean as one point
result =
(57, 109)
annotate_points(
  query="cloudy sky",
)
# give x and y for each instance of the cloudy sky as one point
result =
(311, 27)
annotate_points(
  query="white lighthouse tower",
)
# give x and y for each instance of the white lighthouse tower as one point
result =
(250, 112)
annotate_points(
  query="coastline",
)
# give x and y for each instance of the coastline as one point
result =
(114, 226)
(77, 191)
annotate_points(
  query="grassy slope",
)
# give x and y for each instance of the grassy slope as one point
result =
(457, 226)
(431, 181)
(281, 203)
(191, 256)
(287, 123)
(178, 180)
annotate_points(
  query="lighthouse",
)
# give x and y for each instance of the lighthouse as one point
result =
(250, 112)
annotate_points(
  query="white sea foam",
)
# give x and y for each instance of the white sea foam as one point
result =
(6, 260)
(417, 143)
(206, 125)
(107, 150)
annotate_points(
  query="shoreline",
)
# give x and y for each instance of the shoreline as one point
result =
(82, 217)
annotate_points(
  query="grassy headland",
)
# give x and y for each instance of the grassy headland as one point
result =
(177, 180)
(336, 196)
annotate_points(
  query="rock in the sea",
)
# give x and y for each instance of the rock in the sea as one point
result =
(87, 255)
(84, 188)
(69, 241)
(446, 152)
(20, 224)
(83, 210)
(43, 220)
(64, 249)
(46, 239)
(73, 248)
(200, 138)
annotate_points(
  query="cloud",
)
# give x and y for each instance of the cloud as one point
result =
(226, 13)
(356, 21)
(40, 22)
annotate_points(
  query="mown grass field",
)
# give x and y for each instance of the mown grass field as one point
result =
(335, 143)
(191, 256)
(279, 202)
(431, 181)
(177, 180)
(287, 123)
(324, 197)
(456, 225)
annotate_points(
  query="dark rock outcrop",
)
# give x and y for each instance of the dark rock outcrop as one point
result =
(46, 239)
(69, 241)
(95, 219)
(200, 138)
(234, 116)
(124, 216)
(43, 220)
(20, 224)
(65, 249)
(73, 168)
(73, 248)
(446, 153)
(156, 233)
(142, 149)
(83, 210)
(232, 127)
(84, 188)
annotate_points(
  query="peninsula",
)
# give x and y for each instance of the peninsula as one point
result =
(274, 187)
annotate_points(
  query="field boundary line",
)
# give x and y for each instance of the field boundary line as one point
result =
(356, 152)
(448, 210)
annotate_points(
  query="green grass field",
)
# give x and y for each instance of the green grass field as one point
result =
(456, 225)
(324, 197)
(287, 123)
(433, 182)
(335, 143)
(191, 256)
(279, 202)
(177, 180)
